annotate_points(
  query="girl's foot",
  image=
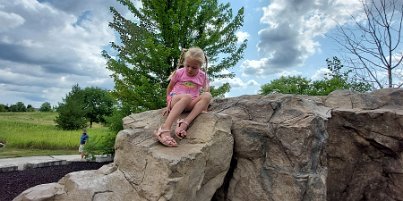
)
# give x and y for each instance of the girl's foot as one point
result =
(181, 128)
(166, 138)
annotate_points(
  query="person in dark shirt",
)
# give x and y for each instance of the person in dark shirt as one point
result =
(83, 141)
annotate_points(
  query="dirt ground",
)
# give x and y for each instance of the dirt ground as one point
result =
(14, 183)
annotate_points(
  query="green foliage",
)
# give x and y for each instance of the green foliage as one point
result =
(100, 144)
(220, 91)
(98, 104)
(336, 80)
(114, 122)
(36, 130)
(45, 107)
(30, 108)
(3, 108)
(83, 105)
(151, 44)
(287, 85)
(71, 114)
(18, 107)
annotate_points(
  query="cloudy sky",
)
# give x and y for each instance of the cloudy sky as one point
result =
(47, 46)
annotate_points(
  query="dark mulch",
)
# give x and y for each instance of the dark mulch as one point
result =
(14, 183)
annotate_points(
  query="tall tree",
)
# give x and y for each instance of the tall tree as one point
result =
(375, 43)
(151, 43)
(71, 114)
(80, 106)
(98, 104)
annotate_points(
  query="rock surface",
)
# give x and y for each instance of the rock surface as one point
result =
(345, 146)
(279, 151)
(365, 147)
(143, 169)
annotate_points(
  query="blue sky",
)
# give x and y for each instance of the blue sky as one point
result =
(47, 46)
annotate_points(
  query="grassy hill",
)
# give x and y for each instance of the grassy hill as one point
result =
(35, 133)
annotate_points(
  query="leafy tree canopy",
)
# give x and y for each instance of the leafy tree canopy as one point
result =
(45, 107)
(84, 105)
(336, 79)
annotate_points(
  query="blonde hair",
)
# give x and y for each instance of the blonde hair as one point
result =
(194, 53)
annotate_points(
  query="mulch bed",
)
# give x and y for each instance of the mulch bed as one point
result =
(14, 183)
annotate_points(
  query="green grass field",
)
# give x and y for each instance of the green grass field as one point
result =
(35, 133)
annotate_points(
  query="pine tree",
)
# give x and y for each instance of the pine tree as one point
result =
(151, 43)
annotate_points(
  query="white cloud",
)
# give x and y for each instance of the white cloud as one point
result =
(292, 31)
(241, 35)
(235, 82)
(10, 21)
(48, 46)
(320, 74)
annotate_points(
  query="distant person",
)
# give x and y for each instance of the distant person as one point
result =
(83, 141)
(188, 90)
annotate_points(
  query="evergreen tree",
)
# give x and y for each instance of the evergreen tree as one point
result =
(71, 114)
(150, 46)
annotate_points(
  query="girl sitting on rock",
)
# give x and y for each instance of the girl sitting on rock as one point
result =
(188, 90)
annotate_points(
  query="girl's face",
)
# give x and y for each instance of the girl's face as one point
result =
(192, 67)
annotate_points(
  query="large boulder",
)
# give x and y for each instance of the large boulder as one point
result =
(345, 146)
(143, 169)
(365, 146)
(279, 151)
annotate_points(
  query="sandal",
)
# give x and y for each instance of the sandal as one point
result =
(179, 132)
(165, 140)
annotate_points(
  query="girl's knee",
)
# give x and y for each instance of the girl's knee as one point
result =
(206, 96)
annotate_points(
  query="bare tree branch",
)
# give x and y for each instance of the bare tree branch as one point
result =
(375, 43)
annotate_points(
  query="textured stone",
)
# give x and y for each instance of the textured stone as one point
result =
(345, 146)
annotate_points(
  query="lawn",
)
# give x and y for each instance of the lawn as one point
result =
(35, 133)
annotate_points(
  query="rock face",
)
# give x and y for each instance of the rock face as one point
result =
(143, 169)
(279, 151)
(345, 146)
(365, 146)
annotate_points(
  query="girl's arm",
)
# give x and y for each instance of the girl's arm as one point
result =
(172, 82)
(170, 87)
(207, 87)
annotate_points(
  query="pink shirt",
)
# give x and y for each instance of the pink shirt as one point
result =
(184, 84)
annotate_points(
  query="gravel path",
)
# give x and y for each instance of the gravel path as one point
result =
(14, 183)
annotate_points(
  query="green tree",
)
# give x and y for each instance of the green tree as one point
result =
(150, 46)
(336, 79)
(287, 85)
(71, 115)
(45, 107)
(98, 103)
(3, 108)
(114, 121)
(30, 108)
(80, 106)
(18, 107)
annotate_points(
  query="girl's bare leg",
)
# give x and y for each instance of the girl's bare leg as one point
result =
(179, 104)
(197, 106)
